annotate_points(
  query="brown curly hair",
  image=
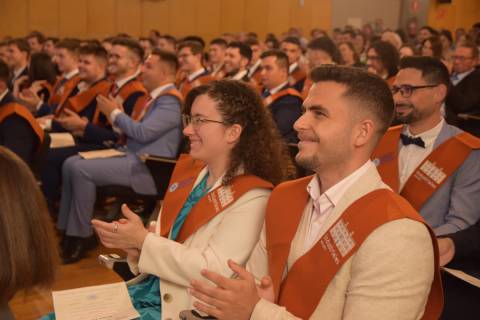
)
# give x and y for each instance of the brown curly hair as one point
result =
(260, 150)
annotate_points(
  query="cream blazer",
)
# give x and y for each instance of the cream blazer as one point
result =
(389, 277)
(232, 234)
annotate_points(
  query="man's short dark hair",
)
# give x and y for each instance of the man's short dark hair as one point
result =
(194, 46)
(252, 42)
(21, 44)
(219, 42)
(196, 39)
(433, 70)
(243, 48)
(169, 38)
(293, 40)
(432, 31)
(169, 58)
(132, 45)
(150, 40)
(37, 35)
(97, 51)
(472, 46)
(326, 44)
(350, 32)
(4, 72)
(388, 56)
(282, 58)
(360, 85)
(71, 45)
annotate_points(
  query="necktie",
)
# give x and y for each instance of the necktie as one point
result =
(406, 140)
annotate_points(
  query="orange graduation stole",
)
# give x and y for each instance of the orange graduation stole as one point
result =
(56, 95)
(285, 92)
(217, 200)
(432, 172)
(68, 87)
(15, 108)
(298, 74)
(186, 86)
(131, 87)
(302, 289)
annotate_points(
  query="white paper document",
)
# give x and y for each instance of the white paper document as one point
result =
(463, 276)
(61, 140)
(100, 154)
(109, 302)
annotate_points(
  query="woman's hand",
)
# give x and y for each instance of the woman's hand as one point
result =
(128, 233)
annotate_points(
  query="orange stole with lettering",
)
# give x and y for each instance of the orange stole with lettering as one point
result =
(69, 86)
(431, 173)
(186, 86)
(15, 108)
(285, 92)
(181, 184)
(302, 289)
(142, 107)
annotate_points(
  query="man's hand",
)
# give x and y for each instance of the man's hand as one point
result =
(446, 247)
(107, 104)
(30, 99)
(232, 299)
(72, 122)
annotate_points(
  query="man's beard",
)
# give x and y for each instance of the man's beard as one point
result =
(407, 118)
(310, 163)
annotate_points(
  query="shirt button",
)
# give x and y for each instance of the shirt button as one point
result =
(167, 297)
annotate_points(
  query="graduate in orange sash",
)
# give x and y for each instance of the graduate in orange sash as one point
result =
(254, 68)
(283, 101)
(216, 56)
(297, 74)
(215, 203)
(435, 166)
(339, 244)
(190, 58)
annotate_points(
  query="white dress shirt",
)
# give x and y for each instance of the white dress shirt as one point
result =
(254, 68)
(292, 67)
(240, 75)
(323, 204)
(410, 156)
(195, 74)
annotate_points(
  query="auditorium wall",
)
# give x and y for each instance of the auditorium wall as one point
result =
(208, 18)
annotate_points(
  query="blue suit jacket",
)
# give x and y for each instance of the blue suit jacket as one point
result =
(456, 204)
(158, 133)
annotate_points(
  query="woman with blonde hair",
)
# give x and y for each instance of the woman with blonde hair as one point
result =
(28, 251)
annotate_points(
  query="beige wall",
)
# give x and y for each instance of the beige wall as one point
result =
(208, 18)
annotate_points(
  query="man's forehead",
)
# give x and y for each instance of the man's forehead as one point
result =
(324, 93)
(408, 74)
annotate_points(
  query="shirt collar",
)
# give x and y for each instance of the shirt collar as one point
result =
(71, 74)
(240, 75)
(120, 83)
(278, 88)
(195, 74)
(292, 67)
(2, 95)
(18, 72)
(335, 193)
(254, 67)
(157, 91)
(462, 75)
(428, 136)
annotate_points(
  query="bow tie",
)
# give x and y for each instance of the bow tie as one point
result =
(406, 140)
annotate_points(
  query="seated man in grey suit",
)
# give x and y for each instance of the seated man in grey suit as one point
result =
(435, 166)
(156, 130)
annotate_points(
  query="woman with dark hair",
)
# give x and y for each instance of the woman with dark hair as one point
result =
(214, 207)
(349, 56)
(27, 247)
(432, 47)
(382, 60)
(446, 39)
(41, 78)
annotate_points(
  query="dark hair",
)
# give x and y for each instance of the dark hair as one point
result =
(437, 49)
(252, 42)
(356, 57)
(70, 45)
(196, 39)
(219, 42)
(281, 57)
(472, 46)
(271, 38)
(4, 72)
(360, 85)
(432, 31)
(169, 58)
(150, 40)
(244, 49)
(433, 70)
(21, 44)
(260, 150)
(194, 46)
(349, 32)
(169, 38)
(132, 45)
(388, 56)
(53, 39)
(293, 40)
(326, 44)
(37, 35)
(92, 49)
(41, 68)
(447, 34)
(28, 249)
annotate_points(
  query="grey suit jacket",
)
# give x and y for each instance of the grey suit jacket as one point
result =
(456, 204)
(158, 133)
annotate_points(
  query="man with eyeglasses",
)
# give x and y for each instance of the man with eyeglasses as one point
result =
(463, 100)
(432, 164)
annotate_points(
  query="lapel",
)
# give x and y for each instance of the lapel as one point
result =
(445, 133)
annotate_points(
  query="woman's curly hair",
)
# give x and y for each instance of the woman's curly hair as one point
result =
(260, 150)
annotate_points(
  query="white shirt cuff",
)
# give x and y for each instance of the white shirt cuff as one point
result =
(39, 104)
(114, 114)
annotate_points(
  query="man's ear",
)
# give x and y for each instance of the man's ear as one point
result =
(364, 132)
(441, 93)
